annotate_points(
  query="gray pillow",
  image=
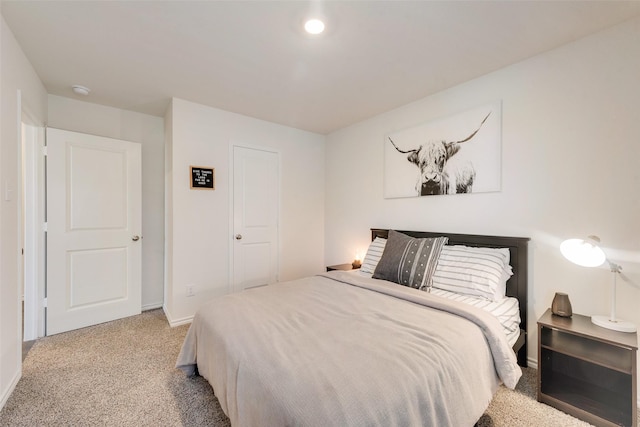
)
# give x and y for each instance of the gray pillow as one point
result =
(409, 261)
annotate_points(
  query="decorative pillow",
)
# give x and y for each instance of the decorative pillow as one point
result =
(409, 261)
(373, 255)
(480, 272)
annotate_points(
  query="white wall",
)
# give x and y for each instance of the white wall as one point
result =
(570, 165)
(16, 74)
(79, 116)
(198, 221)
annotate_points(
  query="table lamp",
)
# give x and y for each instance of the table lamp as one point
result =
(587, 253)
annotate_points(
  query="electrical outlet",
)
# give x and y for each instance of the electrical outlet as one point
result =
(191, 290)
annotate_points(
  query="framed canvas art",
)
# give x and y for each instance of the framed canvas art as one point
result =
(457, 154)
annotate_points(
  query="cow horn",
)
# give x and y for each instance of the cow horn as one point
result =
(473, 134)
(403, 152)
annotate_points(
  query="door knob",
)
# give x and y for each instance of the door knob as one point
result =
(238, 236)
(135, 238)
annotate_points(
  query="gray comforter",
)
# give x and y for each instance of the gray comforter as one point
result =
(345, 350)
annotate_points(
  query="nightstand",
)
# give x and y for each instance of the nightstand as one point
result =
(587, 371)
(340, 267)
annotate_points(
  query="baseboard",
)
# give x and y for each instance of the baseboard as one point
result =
(7, 393)
(151, 306)
(176, 322)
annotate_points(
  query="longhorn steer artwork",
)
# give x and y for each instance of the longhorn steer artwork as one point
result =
(432, 158)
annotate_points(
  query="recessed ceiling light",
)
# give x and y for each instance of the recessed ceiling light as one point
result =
(314, 26)
(80, 90)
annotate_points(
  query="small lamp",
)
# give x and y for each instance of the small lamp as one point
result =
(587, 253)
(357, 262)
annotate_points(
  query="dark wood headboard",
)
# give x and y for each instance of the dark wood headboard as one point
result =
(517, 285)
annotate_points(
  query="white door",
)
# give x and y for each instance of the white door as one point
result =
(255, 217)
(93, 230)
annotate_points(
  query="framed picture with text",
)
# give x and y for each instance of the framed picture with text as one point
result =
(202, 178)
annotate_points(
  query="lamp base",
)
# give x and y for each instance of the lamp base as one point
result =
(616, 325)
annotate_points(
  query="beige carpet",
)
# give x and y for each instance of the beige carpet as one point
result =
(122, 373)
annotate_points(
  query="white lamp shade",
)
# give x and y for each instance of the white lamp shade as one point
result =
(582, 252)
(587, 253)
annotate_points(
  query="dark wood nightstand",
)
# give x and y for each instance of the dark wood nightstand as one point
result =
(340, 267)
(587, 371)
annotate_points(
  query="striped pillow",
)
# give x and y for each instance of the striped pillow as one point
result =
(480, 272)
(373, 255)
(506, 310)
(409, 261)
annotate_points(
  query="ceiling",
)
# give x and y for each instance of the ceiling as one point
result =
(252, 58)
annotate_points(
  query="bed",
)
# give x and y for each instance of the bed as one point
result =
(345, 348)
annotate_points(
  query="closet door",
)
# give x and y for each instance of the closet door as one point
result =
(255, 217)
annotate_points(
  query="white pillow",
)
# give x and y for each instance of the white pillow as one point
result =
(480, 272)
(373, 255)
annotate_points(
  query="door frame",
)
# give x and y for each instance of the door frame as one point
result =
(232, 145)
(33, 240)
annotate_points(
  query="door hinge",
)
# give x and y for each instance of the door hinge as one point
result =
(45, 227)
(44, 303)
(44, 150)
